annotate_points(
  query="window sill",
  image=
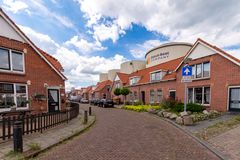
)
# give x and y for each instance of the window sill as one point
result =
(199, 79)
(12, 72)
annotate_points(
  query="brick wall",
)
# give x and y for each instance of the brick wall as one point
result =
(36, 70)
(223, 73)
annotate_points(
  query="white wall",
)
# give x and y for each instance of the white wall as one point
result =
(201, 51)
(7, 31)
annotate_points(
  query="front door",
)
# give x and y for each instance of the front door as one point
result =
(53, 100)
(143, 96)
(234, 99)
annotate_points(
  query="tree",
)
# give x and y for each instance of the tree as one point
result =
(125, 91)
(117, 92)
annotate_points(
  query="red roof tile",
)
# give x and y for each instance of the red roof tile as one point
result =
(144, 74)
(123, 77)
(102, 84)
(52, 60)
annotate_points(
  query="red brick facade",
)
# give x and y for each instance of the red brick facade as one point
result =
(37, 71)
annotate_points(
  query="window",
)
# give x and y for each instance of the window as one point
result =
(134, 80)
(190, 95)
(117, 85)
(206, 69)
(4, 59)
(135, 95)
(151, 96)
(13, 95)
(156, 76)
(206, 97)
(199, 95)
(11, 60)
(17, 61)
(172, 94)
(201, 70)
(159, 95)
(198, 70)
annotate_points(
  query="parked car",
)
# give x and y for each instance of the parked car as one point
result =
(106, 103)
(84, 100)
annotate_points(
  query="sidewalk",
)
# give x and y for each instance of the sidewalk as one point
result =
(228, 143)
(49, 137)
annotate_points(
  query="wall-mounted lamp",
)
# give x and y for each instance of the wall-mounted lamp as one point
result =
(28, 82)
(45, 85)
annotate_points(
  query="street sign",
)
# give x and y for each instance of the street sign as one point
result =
(186, 79)
(187, 71)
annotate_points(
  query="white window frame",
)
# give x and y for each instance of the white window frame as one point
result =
(202, 68)
(203, 89)
(15, 97)
(158, 101)
(59, 96)
(151, 102)
(229, 87)
(135, 77)
(11, 64)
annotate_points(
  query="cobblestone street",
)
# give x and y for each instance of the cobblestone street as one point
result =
(120, 134)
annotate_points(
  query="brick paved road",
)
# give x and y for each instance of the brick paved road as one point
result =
(127, 135)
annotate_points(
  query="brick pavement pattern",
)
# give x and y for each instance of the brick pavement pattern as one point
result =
(126, 135)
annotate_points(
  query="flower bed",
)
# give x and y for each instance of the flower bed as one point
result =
(141, 108)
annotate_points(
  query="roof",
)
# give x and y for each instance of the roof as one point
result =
(46, 57)
(123, 77)
(87, 90)
(167, 66)
(52, 60)
(102, 84)
(218, 50)
(168, 44)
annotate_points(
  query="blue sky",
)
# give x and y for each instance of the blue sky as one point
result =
(91, 36)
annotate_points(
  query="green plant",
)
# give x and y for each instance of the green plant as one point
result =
(169, 103)
(14, 155)
(141, 108)
(34, 146)
(137, 103)
(117, 92)
(193, 107)
(125, 91)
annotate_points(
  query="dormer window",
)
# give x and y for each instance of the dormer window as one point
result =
(134, 80)
(11, 61)
(157, 76)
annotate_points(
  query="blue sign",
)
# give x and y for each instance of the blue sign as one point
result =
(187, 71)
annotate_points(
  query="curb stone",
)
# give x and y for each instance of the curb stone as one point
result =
(203, 143)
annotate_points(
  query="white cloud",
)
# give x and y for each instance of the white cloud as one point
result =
(235, 53)
(38, 7)
(216, 21)
(14, 5)
(80, 69)
(45, 42)
(83, 69)
(85, 46)
(139, 50)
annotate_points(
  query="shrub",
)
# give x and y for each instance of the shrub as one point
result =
(169, 103)
(193, 107)
(137, 103)
(141, 108)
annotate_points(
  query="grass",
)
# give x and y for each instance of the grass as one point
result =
(140, 108)
(11, 155)
(34, 146)
(218, 128)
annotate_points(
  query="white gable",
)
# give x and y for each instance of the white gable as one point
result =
(8, 31)
(201, 51)
(117, 78)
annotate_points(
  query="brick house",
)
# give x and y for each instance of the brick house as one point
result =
(103, 90)
(216, 79)
(29, 77)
